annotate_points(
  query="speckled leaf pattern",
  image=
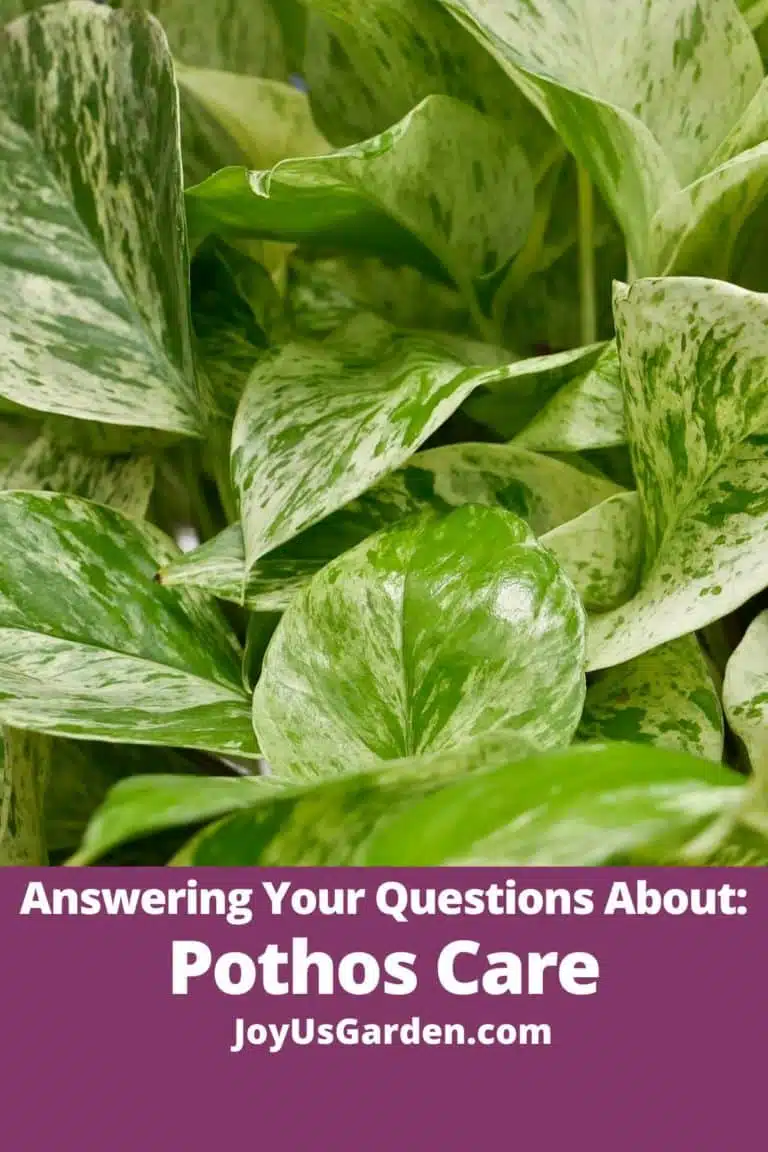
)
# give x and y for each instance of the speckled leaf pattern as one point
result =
(541, 490)
(368, 65)
(602, 551)
(666, 697)
(419, 640)
(641, 91)
(377, 196)
(47, 466)
(564, 402)
(142, 805)
(330, 821)
(91, 646)
(319, 423)
(489, 805)
(696, 232)
(745, 694)
(694, 360)
(239, 35)
(25, 767)
(94, 315)
(591, 805)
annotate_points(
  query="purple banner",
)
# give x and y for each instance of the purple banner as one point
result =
(366, 1009)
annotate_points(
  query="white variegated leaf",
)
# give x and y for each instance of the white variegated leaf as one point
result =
(745, 694)
(94, 312)
(92, 646)
(541, 490)
(422, 639)
(665, 697)
(642, 93)
(694, 362)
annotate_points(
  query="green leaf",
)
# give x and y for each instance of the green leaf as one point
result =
(143, 805)
(262, 121)
(563, 402)
(329, 822)
(83, 773)
(260, 630)
(94, 316)
(590, 805)
(584, 805)
(601, 551)
(642, 94)
(541, 490)
(48, 466)
(420, 639)
(378, 196)
(693, 362)
(238, 35)
(91, 646)
(665, 697)
(368, 66)
(25, 768)
(745, 693)
(319, 423)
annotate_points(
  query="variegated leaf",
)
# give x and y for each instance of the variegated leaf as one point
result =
(142, 805)
(376, 196)
(47, 466)
(94, 313)
(319, 423)
(563, 402)
(591, 805)
(602, 551)
(368, 65)
(25, 768)
(694, 360)
(261, 121)
(419, 640)
(665, 697)
(92, 646)
(541, 490)
(641, 93)
(745, 694)
(239, 35)
(490, 804)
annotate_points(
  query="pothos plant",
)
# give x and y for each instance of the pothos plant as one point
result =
(384, 432)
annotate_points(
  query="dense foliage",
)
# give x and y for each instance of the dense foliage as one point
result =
(383, 431)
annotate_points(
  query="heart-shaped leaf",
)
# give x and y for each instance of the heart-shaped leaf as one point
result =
(694, 359)
(94, 313)
(745, 693)
(665, 697)
(91, 646)
(539, 489)
(375, 196)
(642, 94)
(420, 639)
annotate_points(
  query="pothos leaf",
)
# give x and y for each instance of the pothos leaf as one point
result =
(541, 490)
(745, 694)
(91, 646)
(142, 805)
(665, 697)
(374, 196)
(693, 362)
(420, 639)
(563, 402)
(644, 120)
(94, 316)
(597, 804)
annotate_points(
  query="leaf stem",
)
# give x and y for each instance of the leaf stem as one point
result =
(587, 257)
